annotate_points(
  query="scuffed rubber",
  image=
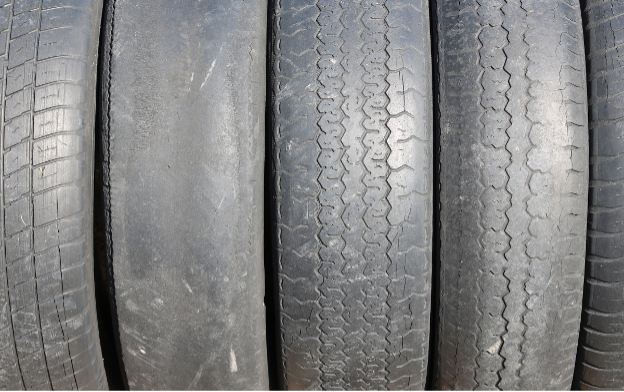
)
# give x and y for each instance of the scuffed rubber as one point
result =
(48, 325)
(513, 196)
(352, 129)
(184, 97)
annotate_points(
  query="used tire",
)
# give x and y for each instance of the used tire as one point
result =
(353, 192)
(513, 196)
(48, 324)
(183, 116)
(600, 360)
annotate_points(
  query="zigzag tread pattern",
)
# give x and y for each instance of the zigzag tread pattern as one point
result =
(353, 172)
(600, 362)
(512, 193)
(48, 328)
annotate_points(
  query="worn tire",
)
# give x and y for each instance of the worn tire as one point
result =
(353, 192)
(600, 361)
(513, 196)
(183, 94)
(48, 323)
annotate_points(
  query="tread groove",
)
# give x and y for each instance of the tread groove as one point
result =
(365, 198)
(502, 160)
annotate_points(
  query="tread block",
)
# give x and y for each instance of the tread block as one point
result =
(17, 216)
(56, 204)
(50, 286)
(5, 17)
(25, 23)
(7, 356)
(65, 172)
(60, 17)
(606, 297)
(47, 262)
(58, 232)
(22, 49)
(19, 77)
(58, 120)
(22, 295)
(18, 246)
(19, 272)
(16, 158)
(66, 41)
(17, 130)
(18, 103)
(20, 6)
(61, 70)
(16, 185)
(59, 362)
(58, 94)
(56, 147)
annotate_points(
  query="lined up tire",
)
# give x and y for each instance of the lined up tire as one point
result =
(353, 192)
(600, 360)
(48, 324)
(513, 196)
(183, 144)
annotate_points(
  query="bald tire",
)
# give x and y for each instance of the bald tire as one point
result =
(183, 117)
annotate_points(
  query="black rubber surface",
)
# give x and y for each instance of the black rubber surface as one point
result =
(48, 324)
(184, 98)
(353, 177)
(513, 198)
(600, 361)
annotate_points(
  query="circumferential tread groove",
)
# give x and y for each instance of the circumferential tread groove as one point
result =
(512, 193)
(600, 363)
(353, 208)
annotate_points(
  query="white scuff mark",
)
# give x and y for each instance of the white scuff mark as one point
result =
(223, 198)
(192, 76)
(494, 348)
(76, 323)
(187, 286)
(142, 351)
(208, 74)
(193, 384)
(233, 366)
(132, 306)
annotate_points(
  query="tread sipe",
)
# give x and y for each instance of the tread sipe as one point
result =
(600, 358)
(353, 192)
(513, 196)
(48, 324)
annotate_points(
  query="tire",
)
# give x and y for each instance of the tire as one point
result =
(352, 128)
(513, 193)
(48, 324)
(183, 98)
(600, 360)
